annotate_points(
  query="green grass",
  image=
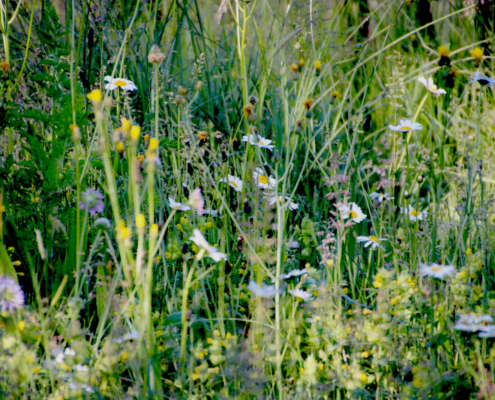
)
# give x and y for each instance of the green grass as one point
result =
(140, 310)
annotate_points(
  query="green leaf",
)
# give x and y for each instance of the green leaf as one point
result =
(6, 267)
(173, 319)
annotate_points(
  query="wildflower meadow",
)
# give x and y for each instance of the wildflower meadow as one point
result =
(247, 199)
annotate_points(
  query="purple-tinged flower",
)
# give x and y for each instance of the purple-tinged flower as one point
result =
(92, 201)
(11, 294)
(197, 201)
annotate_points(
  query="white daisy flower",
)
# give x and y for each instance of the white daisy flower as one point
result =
(414, 215)
(380, 196)
(352, 211)
(482, 79)
(265, 292)
(301, 294)
(372, 241)
(257, 140)
(263, 181)
(177, 206)
(234, 182)
(430, 86)
(119, 82)
(272, 199)
(486, 331)
(436, 270)
(406, 125)
(212, 251)
(295, 272)
(473, 322)
(81, 368)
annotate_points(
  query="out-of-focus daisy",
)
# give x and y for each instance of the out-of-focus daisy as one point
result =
(174, 205)
(262, 180)
(436, 270)
(209, 211)
(406, 125)
(352, 211)
(486, 331)
(11, 294)
(380, 196)
(212, 251)
(134, 335)
(301, 294)
(114, 83)
(372, 241)
(414, 215)
(430, 86)
(472, 322)
(265, 291)
(294, 273)
(482, 79)
(256, 140)
(272, 199)
(234, 182)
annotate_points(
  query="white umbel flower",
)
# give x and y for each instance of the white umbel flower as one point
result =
(352, 211)
(380, 196)
(406, 125)
(257, 140)
(430, 86)
(482, 79)
(262, 180)
(265, 291)
(234, 182)
(301, 294)
(114, 83)
(414, 215)
(272, 199)
(174, 205)
(372, 241)
(436, 270)
(293, 273)
(473, 322)
(207, 248)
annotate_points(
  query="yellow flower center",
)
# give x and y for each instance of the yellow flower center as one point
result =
(415, 213)
(232, 183)
(263, 179)
(119, 83)
(435, 269)
(405, 128)
(261, 143)
(353, 214)
(374, 239)
(432, 88)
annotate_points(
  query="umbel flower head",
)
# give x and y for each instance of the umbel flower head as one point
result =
(124, 84)
(11, 294)
(155, 55)
(406, 125)
(430, 86)
(92, 201)
(207, 248)
(301, 294)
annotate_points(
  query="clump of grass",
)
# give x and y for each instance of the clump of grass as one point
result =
(269, 202)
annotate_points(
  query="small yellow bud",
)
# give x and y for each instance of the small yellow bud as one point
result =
(154, 230)
(209, 340)
(335, 94)
(140, 221)
(120, 147)
(95, 96)
(365, 354)
(126, 124)
(318, 65)
(294, 67)
(308, 104)
(21, 325)
(5, 66)
(477, 53)
(135, 132)
(153, 144)
(216, 333)
(443, 51)
(301, 63)
(228, 335)
(330, 263)
(17, 263)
